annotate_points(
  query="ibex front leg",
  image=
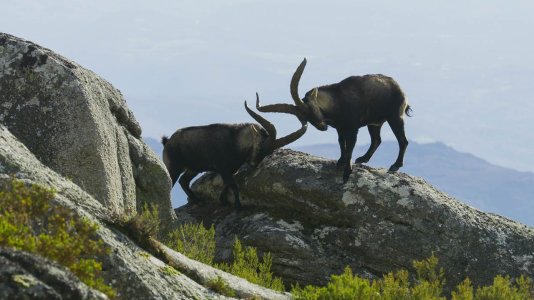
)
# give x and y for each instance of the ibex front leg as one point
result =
(350, 142)
(342, 148)
(229, 182)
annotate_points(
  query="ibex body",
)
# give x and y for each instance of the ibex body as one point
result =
(220, 148)
(354, 102)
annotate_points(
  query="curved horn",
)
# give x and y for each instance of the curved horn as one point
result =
(294, 86)
(271, 130)
(280, 108)
(290, 138)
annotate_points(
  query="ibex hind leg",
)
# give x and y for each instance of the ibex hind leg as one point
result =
(184, 181)
(397, 126)
(374, 132)
(174, 171)
(229, 183)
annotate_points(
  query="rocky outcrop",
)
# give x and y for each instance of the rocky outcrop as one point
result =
(26, 276)
(78, 124)
(129, 270)
(297, 207)
(74, 133)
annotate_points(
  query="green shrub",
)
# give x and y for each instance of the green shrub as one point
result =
(428, 286)
(219, 285)
(29, 221)
(247, 265)
(503, 288)
(147, 223)
(198, 243)
(140, 227)
(194, 241)
(463, 291)
(343, 287)
(430, 279)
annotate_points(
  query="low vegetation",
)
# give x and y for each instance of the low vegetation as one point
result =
(170, 271)
(198, 243)
(29, 221)
(219, 285)
(194, 241)
(246, 264)
(427, 286)
(140, 227)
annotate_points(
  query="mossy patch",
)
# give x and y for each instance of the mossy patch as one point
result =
(170, 271)
(29, 221)
(219, 285)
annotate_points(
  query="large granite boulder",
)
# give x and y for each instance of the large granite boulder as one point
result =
(78, 124)
(297, 207)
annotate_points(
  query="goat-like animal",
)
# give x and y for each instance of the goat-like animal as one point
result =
(354, 102)
(221, 148)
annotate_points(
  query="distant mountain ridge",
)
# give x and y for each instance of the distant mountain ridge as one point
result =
(464, 176)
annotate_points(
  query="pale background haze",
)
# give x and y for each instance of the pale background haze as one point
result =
(467, 67)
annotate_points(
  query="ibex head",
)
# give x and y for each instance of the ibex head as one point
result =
(264, 140)
(306, 109)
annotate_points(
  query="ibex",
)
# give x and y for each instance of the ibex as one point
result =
(221, 148)
(354, 102)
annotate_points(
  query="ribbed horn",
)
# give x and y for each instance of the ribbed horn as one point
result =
(271, 130)
(294, 86)
(290, 138)
(280, 108)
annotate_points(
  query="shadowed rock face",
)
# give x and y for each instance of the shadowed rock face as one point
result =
(297, 208)
(27, 276)
(79, 125)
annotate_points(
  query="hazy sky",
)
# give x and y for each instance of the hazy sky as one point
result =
(467, 67)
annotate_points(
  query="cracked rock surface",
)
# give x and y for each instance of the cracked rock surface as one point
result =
(78, 124)
(297, 207)
(27, 276)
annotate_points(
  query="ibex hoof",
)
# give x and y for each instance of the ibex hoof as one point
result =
(361, 160)
(393, 168)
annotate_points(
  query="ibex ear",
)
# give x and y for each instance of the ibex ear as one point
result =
(314, 94)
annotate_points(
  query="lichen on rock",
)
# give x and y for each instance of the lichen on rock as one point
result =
(79, 125)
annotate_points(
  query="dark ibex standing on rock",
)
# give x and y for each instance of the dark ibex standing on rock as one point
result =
(354, 102)
(221, 148)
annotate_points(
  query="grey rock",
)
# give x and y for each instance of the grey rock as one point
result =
(297, 207)
(132, 272)
(78, 124)
(27, 276)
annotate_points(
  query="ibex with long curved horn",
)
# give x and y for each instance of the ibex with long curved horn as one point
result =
(221, 148)
(354, 102)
